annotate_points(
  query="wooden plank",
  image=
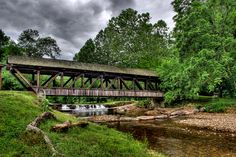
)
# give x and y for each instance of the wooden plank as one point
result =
(123, 82)
(38, 78)
(101, 93)
(137, 84)
(68, 81)
(62, 80)
(50, 80)
(72, 84)
(22, 77)
(19, 80)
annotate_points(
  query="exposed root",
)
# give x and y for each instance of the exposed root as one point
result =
(33, 126)
(66, 125)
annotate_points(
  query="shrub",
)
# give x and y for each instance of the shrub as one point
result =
(144, 103)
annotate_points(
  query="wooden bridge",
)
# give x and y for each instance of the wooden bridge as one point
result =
(69, 78)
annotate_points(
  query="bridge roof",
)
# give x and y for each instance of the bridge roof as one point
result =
(73, 65)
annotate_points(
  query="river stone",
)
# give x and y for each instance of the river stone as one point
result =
(178, 113)
(128, 119)
(161, 117)
(146, 117)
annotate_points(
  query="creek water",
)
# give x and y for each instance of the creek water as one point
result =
(166, 136)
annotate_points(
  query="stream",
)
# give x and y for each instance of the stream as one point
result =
(167, 137)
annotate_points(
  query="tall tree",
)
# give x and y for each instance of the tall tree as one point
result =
(35, 46)
(206, 44)
(86, 53)
(129, 40)
(4, 40)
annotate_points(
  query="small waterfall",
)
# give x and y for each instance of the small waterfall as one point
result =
(85, 110)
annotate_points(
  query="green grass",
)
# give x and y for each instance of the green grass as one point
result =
(215, 105)
(118, 103)
(17, 109)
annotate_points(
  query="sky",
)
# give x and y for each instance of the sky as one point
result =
(72, 22)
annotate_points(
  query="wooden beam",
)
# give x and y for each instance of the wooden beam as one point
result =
(93, 82)
(68, 81)
(101, 82)
(123, 82)
(82, 81)
(33, 79)
(62, 80)
(137, 84)
(38, 78)
(50, 80)
(19, 80)
(101, 93)
(22, 77)
(72, 84)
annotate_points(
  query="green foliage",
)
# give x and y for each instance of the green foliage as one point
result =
(17, 110)
(4, 40)
(86, 53)
(45, 105)
(9, 82)
(204, 52)
(35, 46)
(212, 104)
(129, 40)
(144, 103)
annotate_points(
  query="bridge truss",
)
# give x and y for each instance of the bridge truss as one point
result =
(59, 80)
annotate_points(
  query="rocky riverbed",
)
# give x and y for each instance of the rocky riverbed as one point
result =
(223, 122)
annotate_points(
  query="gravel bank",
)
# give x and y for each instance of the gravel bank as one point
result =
(217, 122)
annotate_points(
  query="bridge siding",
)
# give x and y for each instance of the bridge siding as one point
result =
(101, 80)
(97, 92)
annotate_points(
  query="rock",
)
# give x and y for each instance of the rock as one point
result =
(202, 109)
(146, 117)
(161, 117)
(72, 106)
(178, 113)
(126, 119)
(152, 113)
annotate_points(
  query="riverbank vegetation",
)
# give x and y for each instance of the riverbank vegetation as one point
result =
(18, 109)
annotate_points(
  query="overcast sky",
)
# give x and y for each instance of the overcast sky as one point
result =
(72, 22)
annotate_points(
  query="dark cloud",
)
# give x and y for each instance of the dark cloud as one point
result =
(70, 22)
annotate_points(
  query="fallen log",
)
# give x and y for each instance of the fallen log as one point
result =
(41, 118)
(66, 125)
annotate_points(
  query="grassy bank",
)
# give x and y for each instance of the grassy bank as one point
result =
(17, 109)
(216, 104)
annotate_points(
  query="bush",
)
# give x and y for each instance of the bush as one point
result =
(45, 105)
(219, 106)
(144, 103)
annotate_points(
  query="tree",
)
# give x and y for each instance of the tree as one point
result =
(35, 46)
(4, 40)
(86, 53)
(205, 44)
(129, 40)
